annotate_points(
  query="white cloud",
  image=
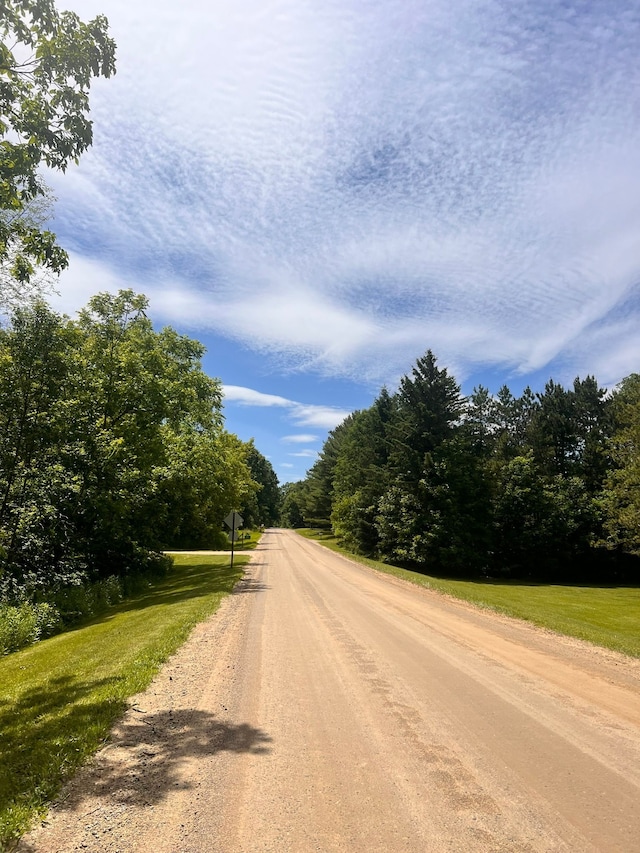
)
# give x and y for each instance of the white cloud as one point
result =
(300, 438)
(249, 397)
(343, 185)
(304, 414)
(326, 417)
(612, 351)
(306, 454)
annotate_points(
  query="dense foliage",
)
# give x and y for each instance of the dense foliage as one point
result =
(543, 485)
(112, 447)
(262, 507)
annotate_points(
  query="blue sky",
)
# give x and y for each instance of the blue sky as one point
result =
(321, 191)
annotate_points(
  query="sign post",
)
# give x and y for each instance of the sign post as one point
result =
(233, 521)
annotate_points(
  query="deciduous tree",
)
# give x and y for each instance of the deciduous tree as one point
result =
(47, 62)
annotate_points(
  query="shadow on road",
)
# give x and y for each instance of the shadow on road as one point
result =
(141, 765)
(249, 585)
(148, 756)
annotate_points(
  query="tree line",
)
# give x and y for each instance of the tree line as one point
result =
(112, 448)
(543, 485)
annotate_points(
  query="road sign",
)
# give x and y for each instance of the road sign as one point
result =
(233, 520)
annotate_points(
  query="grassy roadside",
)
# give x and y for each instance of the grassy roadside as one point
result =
(60, 697)
(248, 544)
(606, 616)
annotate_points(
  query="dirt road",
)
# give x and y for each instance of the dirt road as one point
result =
(329, 708)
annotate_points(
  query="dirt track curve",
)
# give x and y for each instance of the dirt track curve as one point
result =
(329, 708)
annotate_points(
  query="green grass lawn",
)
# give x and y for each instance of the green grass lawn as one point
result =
(606, 616)
(248, 544)
(60, 697)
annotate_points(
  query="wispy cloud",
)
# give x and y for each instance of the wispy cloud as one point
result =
(342, 185)
(303, 414)
(300, 438)
(325, 417)
(249, 397)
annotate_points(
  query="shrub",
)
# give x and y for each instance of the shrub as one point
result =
(82, 601)
(48, 620)
(23, 624)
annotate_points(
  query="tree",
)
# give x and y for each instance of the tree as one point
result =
(36, 489)
(479, 420)
(361, 475)
(263, 507)
(316, 499)
(485, 484)
(47, 62)
(429, 405)
(512, 422)
(137, 384)
(552, 435)
(427, 413)
(290, 505)
(443, 522)
(111, 445)
(399, 526)
(205, 477)
(621, 495)
(543, 523)
(594, 426)
(569, 430)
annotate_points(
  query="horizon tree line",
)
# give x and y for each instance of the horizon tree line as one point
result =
(544, 485)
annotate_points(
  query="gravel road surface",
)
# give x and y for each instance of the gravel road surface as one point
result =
(328, 708)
